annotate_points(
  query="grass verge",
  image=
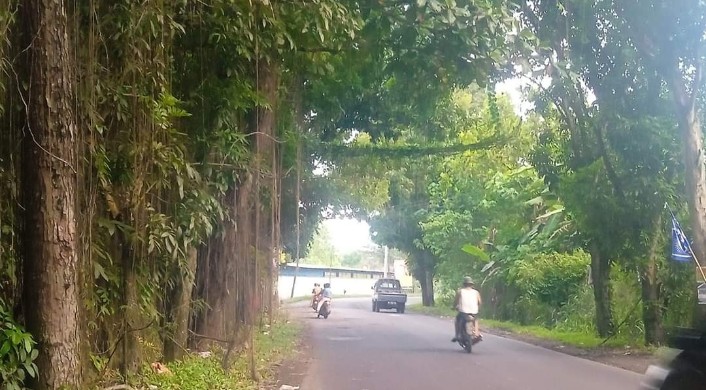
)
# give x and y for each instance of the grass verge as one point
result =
(431, 310)
(576, 339)
(308, 298)
(199, 373)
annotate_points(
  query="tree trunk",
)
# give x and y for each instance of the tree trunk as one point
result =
(428, 279)
(130, 307)
(51, 279)
(695, 174)
(651, 306)
(649, 280)
(214, 284)
(602, 292)
(179, 309)
(424, 272)
(428, 288)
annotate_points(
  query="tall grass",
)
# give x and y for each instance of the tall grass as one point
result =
(205, 373)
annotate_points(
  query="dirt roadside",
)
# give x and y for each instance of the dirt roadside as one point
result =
(291, 371)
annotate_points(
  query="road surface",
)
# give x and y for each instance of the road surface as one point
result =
(357, 349)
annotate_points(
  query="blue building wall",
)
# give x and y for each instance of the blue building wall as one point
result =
(348, 273)
(343, 280)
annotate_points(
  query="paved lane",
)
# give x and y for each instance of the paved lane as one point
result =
(356, 349)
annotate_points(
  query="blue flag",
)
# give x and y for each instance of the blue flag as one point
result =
(681, 250)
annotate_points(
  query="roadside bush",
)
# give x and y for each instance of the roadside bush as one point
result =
(678, 295)
(578, 314)
(17, 352)
(550, 278)
(627, 307)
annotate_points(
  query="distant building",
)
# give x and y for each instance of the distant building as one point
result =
(402, 273)
(351, 280)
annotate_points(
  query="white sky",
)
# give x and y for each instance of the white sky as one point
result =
(512, 87)
(348, 235)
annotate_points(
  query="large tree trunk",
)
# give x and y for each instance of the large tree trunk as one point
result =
(424, 273)
(428, 288)
(179, 306)
(695, 174)
(649, 280)
(49, 174)
(130, 308)
(214, 281)
(602, 292)
(426, 278)
(651, 306)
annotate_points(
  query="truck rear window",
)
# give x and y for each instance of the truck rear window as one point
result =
(390, 284)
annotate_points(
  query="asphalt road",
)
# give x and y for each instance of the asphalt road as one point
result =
(357, 349)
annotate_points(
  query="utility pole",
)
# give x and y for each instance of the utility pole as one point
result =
(298, 200)
(385, 266)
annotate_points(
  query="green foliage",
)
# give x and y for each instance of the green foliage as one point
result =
(17, 352)
(206, 373)
(573, 338)
(8, 13)
(475, 252)
(550, 278)
(393, 108)
(352, 259)
(194, 373)
(321, 250)
(490, 211)
(9, 191)
(405, 59)
(578, 314)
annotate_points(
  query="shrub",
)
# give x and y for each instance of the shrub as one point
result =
(17, 352)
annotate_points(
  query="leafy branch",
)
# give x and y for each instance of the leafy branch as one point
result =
(337, 151)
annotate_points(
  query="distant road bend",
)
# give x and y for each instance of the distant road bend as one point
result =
(357, 349)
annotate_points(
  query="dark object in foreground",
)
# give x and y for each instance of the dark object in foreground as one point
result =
(687, 370)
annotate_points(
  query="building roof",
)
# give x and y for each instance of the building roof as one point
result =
(323, 267)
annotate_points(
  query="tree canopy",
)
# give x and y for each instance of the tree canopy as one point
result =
(160, 160)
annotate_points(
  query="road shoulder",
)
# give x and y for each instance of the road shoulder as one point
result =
(292, 370)
(626, 358)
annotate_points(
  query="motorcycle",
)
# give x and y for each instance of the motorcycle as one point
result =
(467, 337)
(686, 370)
(315, 302)
(325, 309)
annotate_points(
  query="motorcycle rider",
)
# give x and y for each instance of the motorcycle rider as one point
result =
(326, 295)
(467, 302)
(315, 293)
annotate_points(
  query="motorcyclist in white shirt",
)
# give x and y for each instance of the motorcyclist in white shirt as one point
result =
(467, 301)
